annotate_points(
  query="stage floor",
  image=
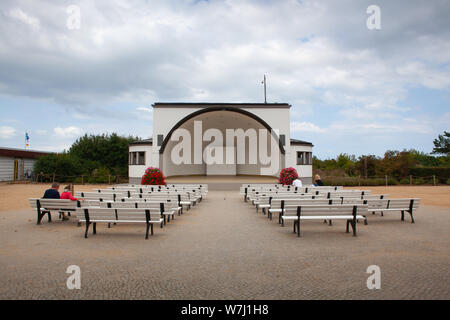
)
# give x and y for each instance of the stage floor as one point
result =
(222, 182)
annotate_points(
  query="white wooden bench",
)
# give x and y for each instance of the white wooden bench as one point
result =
(350, 213)
(45, 206)
(387, 205)
(289, 205)
(111, 215)
(166, 209)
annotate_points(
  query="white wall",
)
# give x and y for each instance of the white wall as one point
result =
(304, 171)
(165, 118)
(7, 167)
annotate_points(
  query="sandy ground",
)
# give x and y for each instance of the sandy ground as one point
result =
(15, 196)
(429, 195)
(223, 249)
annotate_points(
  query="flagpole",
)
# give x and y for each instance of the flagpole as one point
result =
(265, 90)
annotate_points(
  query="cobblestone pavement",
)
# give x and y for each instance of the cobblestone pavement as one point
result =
(223, 249)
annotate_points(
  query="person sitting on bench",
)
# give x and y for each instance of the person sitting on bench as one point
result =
(297, 183)
(317, 181)
(67, 194)
(53, 193)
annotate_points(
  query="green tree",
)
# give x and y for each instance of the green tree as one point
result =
(442, 144)
(102, 151)
(61, 164)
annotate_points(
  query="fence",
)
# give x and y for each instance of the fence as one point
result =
(385, 180)
(82, 179)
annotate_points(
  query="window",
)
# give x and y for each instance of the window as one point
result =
(137, 158)
(141, 158)
(160, 140)
(304, 158)
(283, 139)
(299, 158)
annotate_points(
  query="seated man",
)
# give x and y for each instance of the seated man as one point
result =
(53, 193)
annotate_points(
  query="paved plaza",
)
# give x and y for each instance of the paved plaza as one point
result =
(223, 249)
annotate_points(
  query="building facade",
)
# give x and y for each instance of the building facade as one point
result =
(18, 164)
(221, 139)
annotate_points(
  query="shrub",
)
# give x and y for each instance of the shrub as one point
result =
(441, 173)
(404, 181)
(100, 175)
(287, 176)
(153, 176)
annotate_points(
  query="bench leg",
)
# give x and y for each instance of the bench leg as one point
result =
(298, 228)
(403, 216)
(412, 217)
(382, 213)
(365, 221)
(151, 228)
(40, 215)
(330, 222)
(281, 221)
(347, 230)
(354, 227)
(49, 216)
(146, 233)
(295, 224)
(78, 224)
(87, 229)
(94, 228)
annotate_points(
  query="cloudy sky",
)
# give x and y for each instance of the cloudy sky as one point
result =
(352, 89)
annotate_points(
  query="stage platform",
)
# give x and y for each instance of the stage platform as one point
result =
(222, 182)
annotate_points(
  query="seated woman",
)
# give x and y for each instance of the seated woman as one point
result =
(67, 195)
(317, 181)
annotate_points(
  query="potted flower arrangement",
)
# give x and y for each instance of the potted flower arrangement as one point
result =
(287, 176)
(153, 176)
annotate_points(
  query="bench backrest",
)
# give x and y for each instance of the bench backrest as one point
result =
(393, 203)
(53, 203)
(111, 214)
(332, 210)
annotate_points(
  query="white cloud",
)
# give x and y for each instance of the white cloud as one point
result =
(144, 109)
(20, 15)
(7, 132)
(69, 132)
(305, 127)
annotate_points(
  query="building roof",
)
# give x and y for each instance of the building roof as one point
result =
(294, 142)
(218, 104)
(297, 142)
(22, 153)
(142, 142)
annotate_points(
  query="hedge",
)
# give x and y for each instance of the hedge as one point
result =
(441, 173)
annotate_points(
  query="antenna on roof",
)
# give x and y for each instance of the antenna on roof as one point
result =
(265, 89)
